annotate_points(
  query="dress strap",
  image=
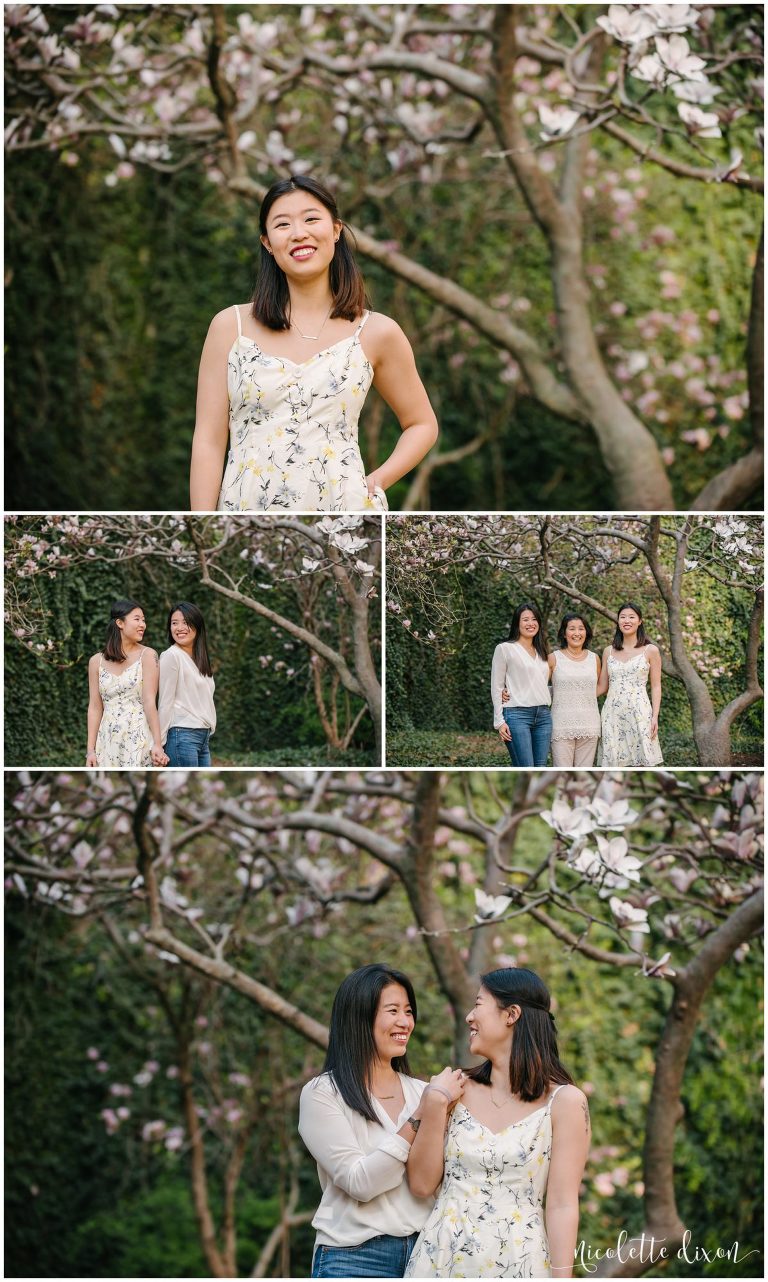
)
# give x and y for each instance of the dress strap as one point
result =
(360, 326)
(239, 322)
(554, 1093)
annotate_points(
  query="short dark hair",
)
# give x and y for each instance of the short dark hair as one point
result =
(351, 1045)
(113, 646)
(618, 637)
(193, 617)
(271, 297)
(533, 1059)
(539, 641)
(571, 618)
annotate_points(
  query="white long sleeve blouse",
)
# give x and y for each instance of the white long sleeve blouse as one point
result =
(186, 696)
(526, 680)
(360, 1165)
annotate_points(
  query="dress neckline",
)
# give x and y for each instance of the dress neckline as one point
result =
(286, 360)
(511, 1125)
(130, 667)
(625, 662)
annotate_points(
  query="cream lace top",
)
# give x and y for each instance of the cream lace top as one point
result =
(575, 714)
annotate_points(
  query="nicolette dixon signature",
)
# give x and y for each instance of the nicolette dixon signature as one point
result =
(647, 1250)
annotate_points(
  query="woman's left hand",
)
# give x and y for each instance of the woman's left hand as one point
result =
(157, 756)
(374, 482)
(654, 727)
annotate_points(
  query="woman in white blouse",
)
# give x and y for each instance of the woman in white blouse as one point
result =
(520, 667)
(186, 708)
(359, 1118)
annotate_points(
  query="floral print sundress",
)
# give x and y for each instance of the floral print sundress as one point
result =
(293, 430)
(124, 737)
(627, 715)
(488, 1220)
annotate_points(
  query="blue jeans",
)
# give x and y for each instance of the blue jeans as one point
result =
(531, 730)
(188, 747)
(380, 1257)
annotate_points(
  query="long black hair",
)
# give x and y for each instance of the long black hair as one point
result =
(539, 641)
(193, 617)
(351, 1046)
(271, 298)
(113, 646)
(618, 638)
(562, 640)
(533, 1060)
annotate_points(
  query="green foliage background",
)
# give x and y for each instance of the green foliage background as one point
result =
(438, 693)
(111, 290)
(263, 716)
(83, 1204)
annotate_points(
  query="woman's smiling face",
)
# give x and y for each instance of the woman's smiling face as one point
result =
(490, 1025)
(629, 620)
(133, 626)
(528, 624)
(301, 234)
(576, 634)
(182, 633)
(393, 1024)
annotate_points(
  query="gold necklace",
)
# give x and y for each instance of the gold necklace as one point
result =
(312, 338)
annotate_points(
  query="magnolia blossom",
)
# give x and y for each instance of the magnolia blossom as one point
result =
(706, 124)
(576, 822)
(490, 906)
(700, 91)
(557, 121)
(614, 854)
(631, 25)
(626, 915)
(612, 814)
(675, 53)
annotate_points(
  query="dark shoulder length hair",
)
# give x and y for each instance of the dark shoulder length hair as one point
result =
(539, 641)
(562, 640)
(113, 646)
(271, 297)
(618, 636)
(193, 619)
(351, 1045)
(533, 1060)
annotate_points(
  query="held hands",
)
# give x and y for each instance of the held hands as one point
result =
(158, 756)
(449, 1083)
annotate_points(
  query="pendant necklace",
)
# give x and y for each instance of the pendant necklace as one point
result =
(312, 338)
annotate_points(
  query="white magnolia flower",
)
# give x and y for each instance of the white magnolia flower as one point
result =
(557, 121)
(348, 543)
(701, 91)
(676, 55)
(614, 854)
(672, 17)
(626, 915)
(308, 565)
(246, 140)
(490, 906)
(568, 822)
(612, 814)
(630, 25)
(588, 863)
(651, 69)
(705, 124)
(364, 568)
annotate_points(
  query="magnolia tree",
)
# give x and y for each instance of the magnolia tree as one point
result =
(331, 567)
(654, 874)
(563, 115)
(550, 555)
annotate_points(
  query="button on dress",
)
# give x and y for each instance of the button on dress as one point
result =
(293, 430)
(488, 1221)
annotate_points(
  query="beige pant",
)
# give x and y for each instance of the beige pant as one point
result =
(574, 752)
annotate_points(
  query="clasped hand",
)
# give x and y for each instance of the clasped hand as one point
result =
(450, 1083)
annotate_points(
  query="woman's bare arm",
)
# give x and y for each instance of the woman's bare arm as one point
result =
(150, 673)
(426, 1158)
(654, 662)
(602, 680)
(95, 710)
(397, 380)
(209, 444)
(570, 1147)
